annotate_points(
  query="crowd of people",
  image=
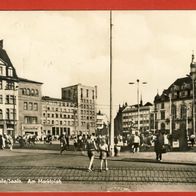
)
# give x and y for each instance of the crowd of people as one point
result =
(135, 142)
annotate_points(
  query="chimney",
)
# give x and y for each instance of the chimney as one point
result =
(1, 44)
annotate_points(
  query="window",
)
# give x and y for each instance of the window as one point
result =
(93, 94)
(36, 92)
(1, 114)
(30, 120)
(86, 92)
(9, 85)
(183, 111)
(7, 114)
(24, 91)
(12, 114)
(162, 105)
(174, 111)
(1, 84)
(30, 106)
(25, 106)
(35, 106)
(81, 93)
(7, 99)
(1, 70)
(10, 71)
(48, 115)
(1, 99)
(162, 115)
(32, 92)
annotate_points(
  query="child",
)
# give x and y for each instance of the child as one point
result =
(91, 148)
(103, 147)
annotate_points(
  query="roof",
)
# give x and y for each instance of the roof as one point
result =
(29, 81)
(4, 56)
(47, 98)
(135, 107)
(178, 82)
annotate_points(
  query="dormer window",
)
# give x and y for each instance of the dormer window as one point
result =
(10, 71)
(1, 70)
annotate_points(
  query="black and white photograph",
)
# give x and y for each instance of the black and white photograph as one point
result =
(98, 101)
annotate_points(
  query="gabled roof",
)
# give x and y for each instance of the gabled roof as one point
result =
(5, 58)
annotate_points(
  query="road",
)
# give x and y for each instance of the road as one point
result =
(30, 170)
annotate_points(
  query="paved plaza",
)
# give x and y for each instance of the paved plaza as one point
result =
(23, 169)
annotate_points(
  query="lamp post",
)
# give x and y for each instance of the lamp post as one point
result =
(170, 112)
(111, 135)
(138, 104)
(170, 116)
(187, 121)
(14, 113)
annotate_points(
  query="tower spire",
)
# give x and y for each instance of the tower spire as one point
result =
(193, 57)
(141, 101)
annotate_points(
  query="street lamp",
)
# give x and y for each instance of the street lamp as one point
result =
(170, 113)
(193, 77)
(14, 113)
(138, 105)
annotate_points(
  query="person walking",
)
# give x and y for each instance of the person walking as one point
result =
(158, 145)
(91, 148)
(136, 142)
(104, 151)
(10, 142)
(62, 143)
(1, 142)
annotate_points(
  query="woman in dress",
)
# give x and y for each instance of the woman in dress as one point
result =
(103, 147)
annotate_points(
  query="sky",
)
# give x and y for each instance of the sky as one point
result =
(62, 48)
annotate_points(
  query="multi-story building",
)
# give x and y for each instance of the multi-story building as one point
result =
(174, 109)
(102, 124)
(85, 98)
(118, 128)
(29, 99)
(130, 118)
(8, 94)
(58, 116)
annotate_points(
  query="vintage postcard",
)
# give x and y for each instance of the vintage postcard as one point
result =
(97, 100)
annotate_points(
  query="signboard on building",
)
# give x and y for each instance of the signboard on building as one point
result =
(175, 144)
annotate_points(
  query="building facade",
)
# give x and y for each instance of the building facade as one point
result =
(58, 116)
(8, 94)
(85, 99)
(118, 128)
(130, 118)
(29, 99)
(175, 109)
(102, 124)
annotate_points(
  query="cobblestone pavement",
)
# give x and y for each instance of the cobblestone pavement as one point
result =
(54, 175)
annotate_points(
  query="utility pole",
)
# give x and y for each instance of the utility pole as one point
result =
(111, 120)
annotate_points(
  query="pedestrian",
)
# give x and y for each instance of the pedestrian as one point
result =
(75, 143)
(159, 145)
(104, 152)
(10, 142)
(62, 143)
(91, 148)
(136, 142)
(192, 139)
(1, 142)
(67, 140)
